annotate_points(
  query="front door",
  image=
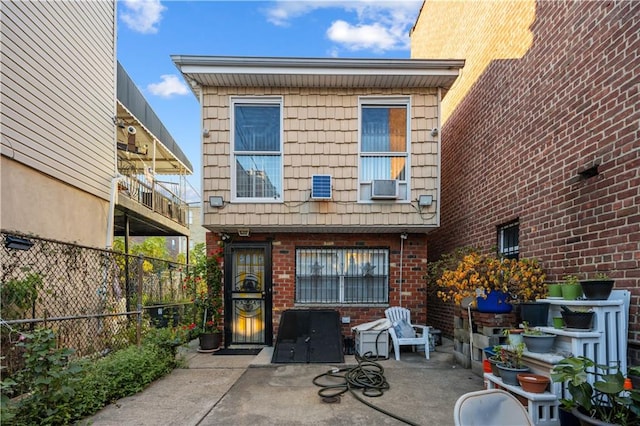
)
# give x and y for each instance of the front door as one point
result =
(248, 294)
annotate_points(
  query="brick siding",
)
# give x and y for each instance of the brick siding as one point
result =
(283, 264)
(513, 147)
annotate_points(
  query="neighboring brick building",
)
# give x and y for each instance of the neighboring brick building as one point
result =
(541, 136)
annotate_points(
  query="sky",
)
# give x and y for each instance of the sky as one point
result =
(149, 31)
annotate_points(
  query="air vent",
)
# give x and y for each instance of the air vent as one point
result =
(321, 187)
(384, 190)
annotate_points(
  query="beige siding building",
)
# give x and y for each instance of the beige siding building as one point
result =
(57, 134)
(321, 182)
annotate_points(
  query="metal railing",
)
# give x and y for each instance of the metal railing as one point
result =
(95, 300)
(155, 197)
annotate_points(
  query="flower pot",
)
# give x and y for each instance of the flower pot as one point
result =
(539, 343)
(578, 320)
(558, 322)
(586, 420)
(515, 337)
(509, 375)
(209, 341)
(494, 367)
(534, 313)
(554, 291)
(596, 289)
(567, 418)
(571, 291)
(534, 383)
(495, 302)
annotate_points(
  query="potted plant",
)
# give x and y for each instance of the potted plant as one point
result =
(534, 383)
(537, 341)
(571, 289)
(205, 281)
(597, 392)
(494, 357)
(597, 288)
(514, 335)
(492, 281)
(511, 364)
(577, 318)
(554, 290)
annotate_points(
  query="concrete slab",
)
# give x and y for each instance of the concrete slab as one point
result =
(249, 390)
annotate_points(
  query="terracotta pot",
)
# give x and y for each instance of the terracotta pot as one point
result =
(534, 383)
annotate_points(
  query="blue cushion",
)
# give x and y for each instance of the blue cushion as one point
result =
(404, 330)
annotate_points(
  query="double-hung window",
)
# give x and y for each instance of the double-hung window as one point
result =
(384, 129)
(256, 141)
(342, 275)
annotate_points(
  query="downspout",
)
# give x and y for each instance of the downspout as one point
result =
(116, 174)
(403, 237)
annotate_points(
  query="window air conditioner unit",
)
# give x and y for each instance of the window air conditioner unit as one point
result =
(384, 190)
(321, 187)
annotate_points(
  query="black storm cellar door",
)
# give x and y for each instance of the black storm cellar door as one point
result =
(308, 336)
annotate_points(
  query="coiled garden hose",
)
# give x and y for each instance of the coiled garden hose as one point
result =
(368, 375)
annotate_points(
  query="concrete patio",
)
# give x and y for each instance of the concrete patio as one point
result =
(249, 390)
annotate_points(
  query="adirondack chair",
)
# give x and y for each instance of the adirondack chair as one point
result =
(404, 333)
(490, 407)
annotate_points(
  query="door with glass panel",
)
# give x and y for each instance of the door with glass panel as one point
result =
(248, 294)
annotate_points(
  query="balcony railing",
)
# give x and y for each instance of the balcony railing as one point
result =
(155, 197)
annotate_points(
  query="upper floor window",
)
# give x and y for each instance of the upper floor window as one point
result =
(509, 240)
(256, 149)
(342, 275)
(384, 144)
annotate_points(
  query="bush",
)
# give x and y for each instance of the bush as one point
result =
(54, 390)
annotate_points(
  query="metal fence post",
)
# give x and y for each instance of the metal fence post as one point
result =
(139, 307)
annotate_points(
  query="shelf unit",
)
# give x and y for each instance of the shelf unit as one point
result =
(542, 407)
(605, 343)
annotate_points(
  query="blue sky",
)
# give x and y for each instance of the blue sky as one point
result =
(149, 31)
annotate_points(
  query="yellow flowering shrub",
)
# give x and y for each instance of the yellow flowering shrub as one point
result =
(523, 279)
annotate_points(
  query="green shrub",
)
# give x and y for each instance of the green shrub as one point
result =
(54, 390)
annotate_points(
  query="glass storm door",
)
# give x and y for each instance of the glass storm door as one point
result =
(248, 294)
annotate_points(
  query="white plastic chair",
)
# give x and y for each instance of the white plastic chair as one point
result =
(420, 336)
(493, 407)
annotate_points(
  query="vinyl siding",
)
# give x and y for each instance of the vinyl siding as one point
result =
(58, 90)
(320, 137)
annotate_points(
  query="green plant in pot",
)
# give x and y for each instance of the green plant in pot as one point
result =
(511, 364)
(571, 289)
(536, 340)
(205, 281)
(597, 393)
(597, 288)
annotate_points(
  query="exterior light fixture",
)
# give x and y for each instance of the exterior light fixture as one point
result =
(17, 243)
(216, 201)
(243, 232)
(425, 200)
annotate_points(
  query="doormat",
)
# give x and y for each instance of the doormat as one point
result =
(227, 351)
(309, 336)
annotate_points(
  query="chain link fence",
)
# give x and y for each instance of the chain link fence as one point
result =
(96, 301)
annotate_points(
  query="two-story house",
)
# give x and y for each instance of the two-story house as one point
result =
(321, 177)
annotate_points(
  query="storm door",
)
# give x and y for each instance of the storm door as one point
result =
(248, 294)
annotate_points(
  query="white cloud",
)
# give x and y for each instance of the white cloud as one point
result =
(142, 16)
(169, 86)
(378, 25)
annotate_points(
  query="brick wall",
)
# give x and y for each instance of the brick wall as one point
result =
(530, 122)
(283, 263)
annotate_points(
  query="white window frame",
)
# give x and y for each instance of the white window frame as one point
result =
(404, 186)
(258, 100)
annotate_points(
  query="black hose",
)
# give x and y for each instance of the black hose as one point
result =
(368, 376)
